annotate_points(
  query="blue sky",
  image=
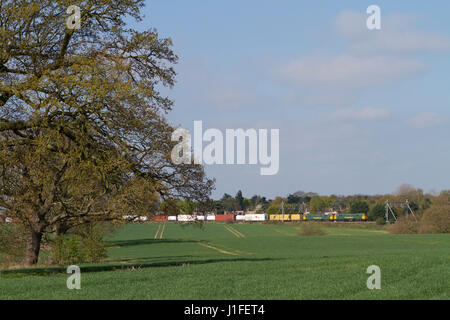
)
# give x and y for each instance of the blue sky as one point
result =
(359, 111)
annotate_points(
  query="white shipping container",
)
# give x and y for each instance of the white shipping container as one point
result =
(172, 218)
(255, 217)
(131, 218)
(210, 218)
(185, 218)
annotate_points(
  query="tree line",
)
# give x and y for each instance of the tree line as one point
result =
(374, 206)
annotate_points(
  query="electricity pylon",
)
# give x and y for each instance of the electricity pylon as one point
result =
(398, 204)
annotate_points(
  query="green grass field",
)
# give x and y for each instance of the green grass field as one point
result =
(259, 261)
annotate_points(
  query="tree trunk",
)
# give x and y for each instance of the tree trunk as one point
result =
(33, 248)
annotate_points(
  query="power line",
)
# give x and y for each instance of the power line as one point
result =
(398, 204)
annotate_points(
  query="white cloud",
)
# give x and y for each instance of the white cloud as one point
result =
(348, 71)
(428, 120)
(398, 34)
(321, 98)
(363, 114)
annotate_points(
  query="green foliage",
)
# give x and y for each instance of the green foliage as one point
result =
(12, 244)
(288, 209)
(377, 211)
(317, 204)
(186, 206)
(359, 207)
(84, 245)
(75, 249)
(239, 200)
(83, 129)
(169, 207)
(68, 250)
(380, 221)
(248, 205)
(278, 201)
(273, 209)
(229, 203)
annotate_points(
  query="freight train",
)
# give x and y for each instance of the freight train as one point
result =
(338, 217)
(319, 217)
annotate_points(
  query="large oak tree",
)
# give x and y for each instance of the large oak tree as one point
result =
(83, 132)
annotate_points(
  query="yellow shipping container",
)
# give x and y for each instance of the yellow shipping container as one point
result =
(279, 217)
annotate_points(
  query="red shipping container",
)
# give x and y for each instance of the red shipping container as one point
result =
(225, 217)
(159, 218)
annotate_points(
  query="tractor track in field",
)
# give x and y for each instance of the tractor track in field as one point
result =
(235, 232)
(217, 249)
(160, 231)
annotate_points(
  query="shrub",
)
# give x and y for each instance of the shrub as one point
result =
(85, 245)
(436, 219)
(405, 225)
(94, 247)
(12, 244)
(68, 250)
(377, 211)
(380, 221)
(311, 229)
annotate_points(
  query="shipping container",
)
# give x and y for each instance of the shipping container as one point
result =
(280, 217)
(159, 218)
(185, 218)
(225, 217)
(131, 218)
(256, 217)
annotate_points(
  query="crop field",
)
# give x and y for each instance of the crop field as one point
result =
(249, 261)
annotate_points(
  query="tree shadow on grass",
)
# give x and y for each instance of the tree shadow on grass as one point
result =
(19, 273)
(146, 259)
